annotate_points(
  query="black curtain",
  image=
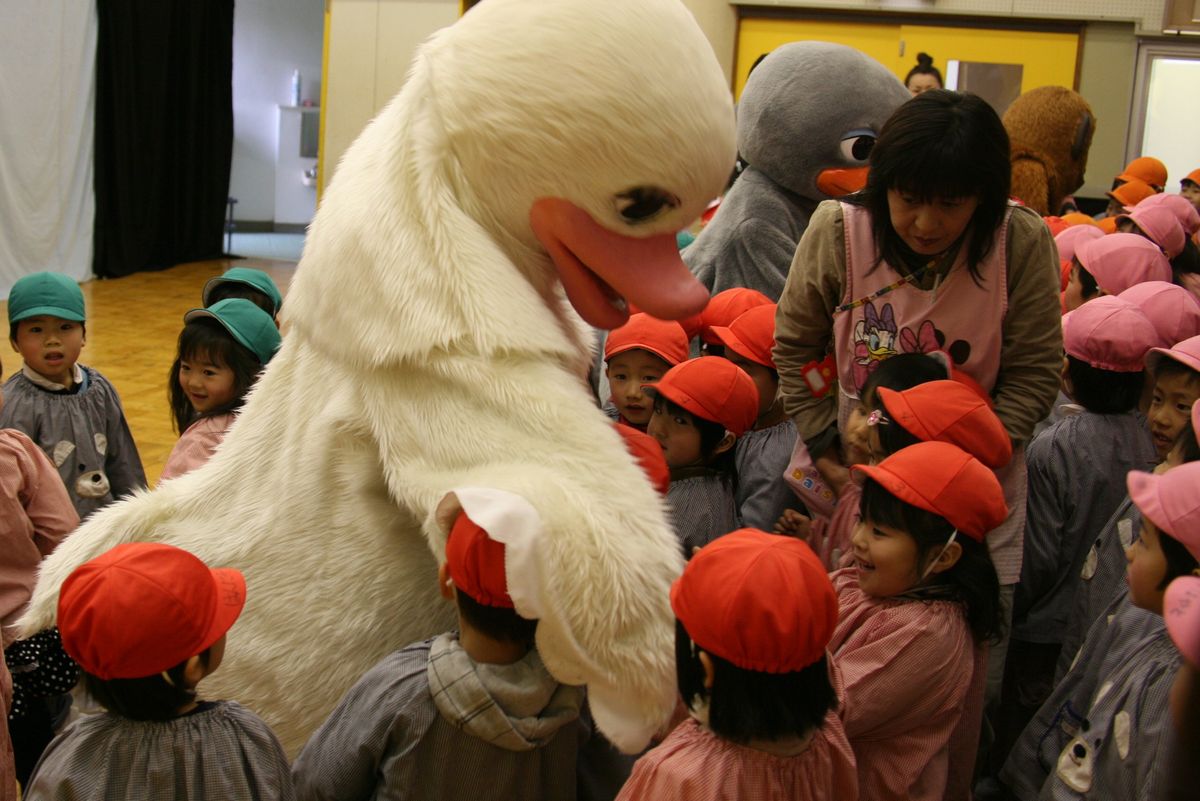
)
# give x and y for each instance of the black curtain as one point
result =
(164, 132)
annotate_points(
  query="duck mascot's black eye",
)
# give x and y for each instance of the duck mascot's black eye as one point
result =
(643, 203)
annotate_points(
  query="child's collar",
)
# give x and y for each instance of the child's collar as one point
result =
(45, 383)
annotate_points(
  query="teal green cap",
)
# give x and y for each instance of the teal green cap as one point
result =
(249, 325)
(52, 294)
(255, 279)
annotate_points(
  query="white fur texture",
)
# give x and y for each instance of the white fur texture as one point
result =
(430, 347)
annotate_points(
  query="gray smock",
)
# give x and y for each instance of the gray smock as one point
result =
(84, 433)
(702, 507)
(762, 458)
(1076, 470)
(429, 723)
(218, 752)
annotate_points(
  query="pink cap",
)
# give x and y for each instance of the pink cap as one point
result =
(1173, 310)
(1071, 238)
(1161, 225)
(1171, 501)
(1180, 206)
(1109, 333)
(1118, 261)
(1186, 353)
(1181, 612)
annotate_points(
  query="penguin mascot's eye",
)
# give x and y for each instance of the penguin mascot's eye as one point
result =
(856, 145)
(644, 203)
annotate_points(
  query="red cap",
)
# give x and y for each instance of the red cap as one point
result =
(727, 306)
(476, 563)
(649, 455)
(1056, 224)
(1173, 310)
(751, 335)
(1146, 169)
(1171, 501)
(1118, 261)
(761, 601)
(943, 479)
(1109, 333)
(1160, 225)
(664, 338)
(143, 608)
(948, 411)
(714, 389)
(1131, 193)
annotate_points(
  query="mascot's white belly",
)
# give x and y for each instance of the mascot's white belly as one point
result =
(431, 349)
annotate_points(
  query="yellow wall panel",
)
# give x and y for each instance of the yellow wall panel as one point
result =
(1048, 58)
(759, 35)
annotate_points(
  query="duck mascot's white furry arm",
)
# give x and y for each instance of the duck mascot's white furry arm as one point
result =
(433, 355)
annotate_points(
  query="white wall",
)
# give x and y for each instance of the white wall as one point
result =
(270, 39)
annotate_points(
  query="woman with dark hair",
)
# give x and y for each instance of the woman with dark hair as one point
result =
(930, 256)
(924, 76)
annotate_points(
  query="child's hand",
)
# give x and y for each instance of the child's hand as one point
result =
(836, 474)
(794, 524)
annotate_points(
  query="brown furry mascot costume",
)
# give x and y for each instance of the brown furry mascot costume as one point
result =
(530, 176)
(1050, 131)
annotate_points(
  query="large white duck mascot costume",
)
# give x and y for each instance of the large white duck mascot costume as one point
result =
(806, 123)
(537, 163)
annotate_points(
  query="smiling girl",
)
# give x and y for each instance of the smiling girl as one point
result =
(222, 349)
(913, 614)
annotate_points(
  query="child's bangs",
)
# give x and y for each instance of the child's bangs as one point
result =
(882, 508)
(203, 340)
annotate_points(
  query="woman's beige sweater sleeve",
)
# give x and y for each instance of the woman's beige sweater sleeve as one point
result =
(804, 322)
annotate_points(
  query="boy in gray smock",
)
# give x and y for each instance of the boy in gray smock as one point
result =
(71, 411)
(763, 453)
(471, 714)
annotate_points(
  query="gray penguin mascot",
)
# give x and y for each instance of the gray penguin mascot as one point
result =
(807, 120)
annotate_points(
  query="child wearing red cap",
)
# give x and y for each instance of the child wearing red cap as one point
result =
(830, 534)
(37, 514)
(1103, 733)
(763, 453)
(701, 407)
(471, 713)
(147, 622)
(754, 614)
(725, 307)
(639, 353)
(914, 613)
(1076, 472)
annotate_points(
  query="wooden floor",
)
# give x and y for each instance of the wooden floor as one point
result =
(132, 327)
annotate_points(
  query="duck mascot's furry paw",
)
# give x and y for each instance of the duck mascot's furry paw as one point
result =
(806, 122)
(537, 163)
(1050, 131)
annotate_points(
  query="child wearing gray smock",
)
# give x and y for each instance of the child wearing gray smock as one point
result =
(763, 453)
(147, 622)
(71, 411)
(469, 714)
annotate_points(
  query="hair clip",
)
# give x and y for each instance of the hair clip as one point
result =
(877, 418)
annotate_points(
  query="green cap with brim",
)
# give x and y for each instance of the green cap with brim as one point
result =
(252, 327)
(255, 279)
(50, 294)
